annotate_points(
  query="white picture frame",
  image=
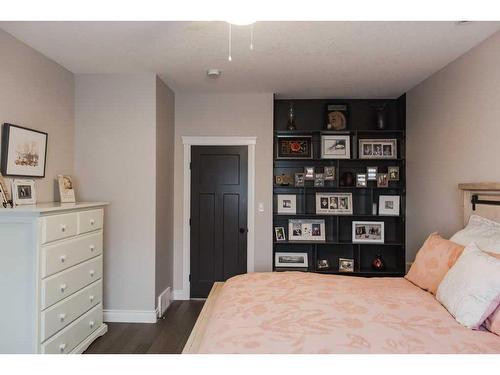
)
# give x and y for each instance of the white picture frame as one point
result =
(280, 234)
(66, 189)
(346, 265)
(335, 147)
(23, 192)
(306, 230)
(291, 260)
(287, 204)
(368, 232)
(388, 205)
(334, 203)
(378, 148)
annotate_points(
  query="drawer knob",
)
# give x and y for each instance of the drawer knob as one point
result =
(63, 258)
(62, 347)
(63, 228)
(62, 317)
(92, 248)
(63, 288)
(91, 273)
(91, 324)
(91, 298)
(92, 221)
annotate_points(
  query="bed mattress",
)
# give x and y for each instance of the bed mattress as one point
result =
(296, 312)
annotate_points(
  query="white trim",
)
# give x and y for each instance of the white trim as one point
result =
(215, 141)
(180, 295)
(163, 302)
(130, 316)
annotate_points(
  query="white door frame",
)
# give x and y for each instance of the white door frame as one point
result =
(186, 250)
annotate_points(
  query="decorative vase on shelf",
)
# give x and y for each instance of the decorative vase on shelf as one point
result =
(378, 263)
(291, 118)
(381, 117)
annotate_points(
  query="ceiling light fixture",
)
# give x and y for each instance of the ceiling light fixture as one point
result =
(230, 36)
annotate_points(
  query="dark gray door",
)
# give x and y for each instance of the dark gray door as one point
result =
(218, 215)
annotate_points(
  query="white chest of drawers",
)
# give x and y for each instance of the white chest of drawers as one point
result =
(51, 277)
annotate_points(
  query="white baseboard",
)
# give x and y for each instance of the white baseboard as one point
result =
(130, 316)
(180, 295)
(163, 302)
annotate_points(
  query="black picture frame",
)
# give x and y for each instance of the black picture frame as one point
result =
(343, 109)
(284, 147)
(6, 138)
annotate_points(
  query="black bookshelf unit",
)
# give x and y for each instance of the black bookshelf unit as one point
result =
(310, 120)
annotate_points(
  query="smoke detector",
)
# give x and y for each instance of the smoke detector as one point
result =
(213, 73)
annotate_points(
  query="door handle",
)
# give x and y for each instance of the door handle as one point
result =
(243, 230)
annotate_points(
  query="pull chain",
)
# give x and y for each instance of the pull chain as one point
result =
(229, 57)
(251, 37)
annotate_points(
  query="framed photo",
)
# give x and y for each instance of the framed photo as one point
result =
(388, 205)
(329, 172)
(336, 116)
(361, 180)
(309, 173)
(367, 232)
(306, 230)
(294, 147)
(24, 151)
(319, 180)
(290, 260)
(66, 189)
(283, 180)
(372, 173)
(382, 180)
(23, 192)
(323, 264)
(334, 203)
(346, 265)
(393, 173)
(280, 234)
(335, 147)
(287, 204)
(4, 193)
(299, 179)
(378, 148)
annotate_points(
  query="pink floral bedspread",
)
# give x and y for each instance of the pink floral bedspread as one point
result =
(295, 312)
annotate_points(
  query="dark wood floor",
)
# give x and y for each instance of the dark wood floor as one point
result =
(167, 336)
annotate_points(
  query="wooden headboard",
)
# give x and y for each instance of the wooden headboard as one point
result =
(486, 194)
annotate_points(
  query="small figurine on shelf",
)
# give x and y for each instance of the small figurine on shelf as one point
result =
(291, 117)
(378, 263)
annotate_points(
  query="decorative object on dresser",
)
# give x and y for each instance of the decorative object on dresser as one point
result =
(51, 277)
(346, 265)
(23, 192)
(361, 180)
(368, 231)
(378, 148)
(319, 180)
(291, 260)
(334, 203)
(306, 230)
(336, 116)
(287, 204)
(388, 205)
(294, 147)
(335, 147)
(299, 179)
(393, 173)
(382, 180)
(66, 189)
(280, 233)
(329, 172)
(24, 151)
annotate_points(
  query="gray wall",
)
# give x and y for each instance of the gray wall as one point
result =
(227, 115)
(37, 93)
(453, 133)
(165, 116)
(115, 152)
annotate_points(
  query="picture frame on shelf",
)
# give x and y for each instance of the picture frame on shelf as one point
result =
(294, 147)
(66, 189)
(371, 173)
(306, 230)
(336, 117)
(280, 234)
(299, 180)
(323, 264)
(377, 148)
(368, 232)
(382, 180)
(319, 180)
(24, 151)
(308, 173)
(291, 260)
(4, 193)
(283, 180)
(361, 180)
(329, 172)
(393, 172)
(335, 147)
(287, 204)
(334, 203)
(346, 265)
(23, 192)
(388, 205)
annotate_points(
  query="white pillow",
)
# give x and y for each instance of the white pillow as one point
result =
(470, 291)
(484, 232)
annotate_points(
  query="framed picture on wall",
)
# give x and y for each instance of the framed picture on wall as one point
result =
(282, 259)
(335, 147)
(378, 148)
(24, 151)
(287, 203)
(334, 203)
(388, 205)
(367, 232)
(294, 147)
(306, 230)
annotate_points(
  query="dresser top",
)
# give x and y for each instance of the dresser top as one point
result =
(48, 208)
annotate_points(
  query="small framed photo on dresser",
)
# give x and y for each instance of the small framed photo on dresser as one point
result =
(23, 192)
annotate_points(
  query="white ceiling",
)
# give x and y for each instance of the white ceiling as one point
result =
(292, 59)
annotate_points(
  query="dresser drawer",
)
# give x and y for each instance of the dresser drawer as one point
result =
(63, 313)
(60, 256)
(89, 221)
(69, 338)
(63, 284)
(57, 227)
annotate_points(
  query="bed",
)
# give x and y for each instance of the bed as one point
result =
(296, 312)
